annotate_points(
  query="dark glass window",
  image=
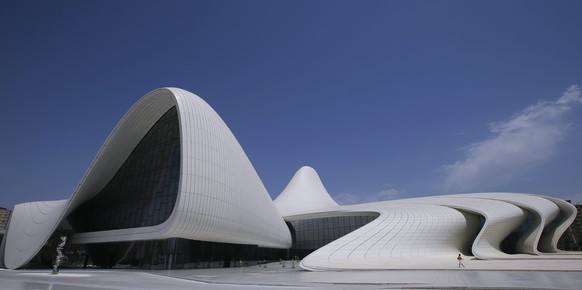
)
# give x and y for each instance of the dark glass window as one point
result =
(312, 234)
(176, 253)
(143, 191)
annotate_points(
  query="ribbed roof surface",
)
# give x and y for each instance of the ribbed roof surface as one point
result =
(220, 196)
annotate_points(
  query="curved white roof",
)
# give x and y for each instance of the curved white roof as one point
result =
(437, 228)
(220, 196)
(542, 210)
(305, 193)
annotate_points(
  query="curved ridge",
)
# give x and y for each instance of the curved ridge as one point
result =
(543, 212)
(31, 224)
(437, 228)
(219, 191)
(549, 240)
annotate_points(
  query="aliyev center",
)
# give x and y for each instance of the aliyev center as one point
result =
(172, 188)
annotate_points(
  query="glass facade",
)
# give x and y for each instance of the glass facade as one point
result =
(311, 234)
(143, 191)
(74, 254)
(177, 253)
(174, 253)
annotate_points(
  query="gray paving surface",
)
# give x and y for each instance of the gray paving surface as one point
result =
(539, 275)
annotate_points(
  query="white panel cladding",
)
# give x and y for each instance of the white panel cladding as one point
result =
(501, 219)
(427, 230)
(433, 228)
(549, 240)
(402, 232)
(30, 226)
(220, 196)
(219, 191)
(305, 193)
(543, 210)
(221, 199)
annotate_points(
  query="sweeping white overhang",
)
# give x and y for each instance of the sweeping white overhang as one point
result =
(219, 194)
(433, 230)
(425, 230)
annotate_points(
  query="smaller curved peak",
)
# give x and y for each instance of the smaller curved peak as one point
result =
(305, 193)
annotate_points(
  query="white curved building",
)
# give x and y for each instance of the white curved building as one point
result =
(171, 168)
(172, 188)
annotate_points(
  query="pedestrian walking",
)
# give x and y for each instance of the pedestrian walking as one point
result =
(460, 259)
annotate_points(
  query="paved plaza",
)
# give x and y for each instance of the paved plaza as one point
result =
(539, 274)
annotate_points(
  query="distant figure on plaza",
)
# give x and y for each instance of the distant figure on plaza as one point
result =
(460, 259)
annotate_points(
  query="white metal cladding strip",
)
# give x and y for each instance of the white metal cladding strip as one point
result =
(221, 191)
(549, 240)
(180, 223)
(543, 210)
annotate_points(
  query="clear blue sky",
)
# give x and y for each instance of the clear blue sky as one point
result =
(385, 99)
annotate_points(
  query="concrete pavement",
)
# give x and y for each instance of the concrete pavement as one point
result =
(515, 274)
